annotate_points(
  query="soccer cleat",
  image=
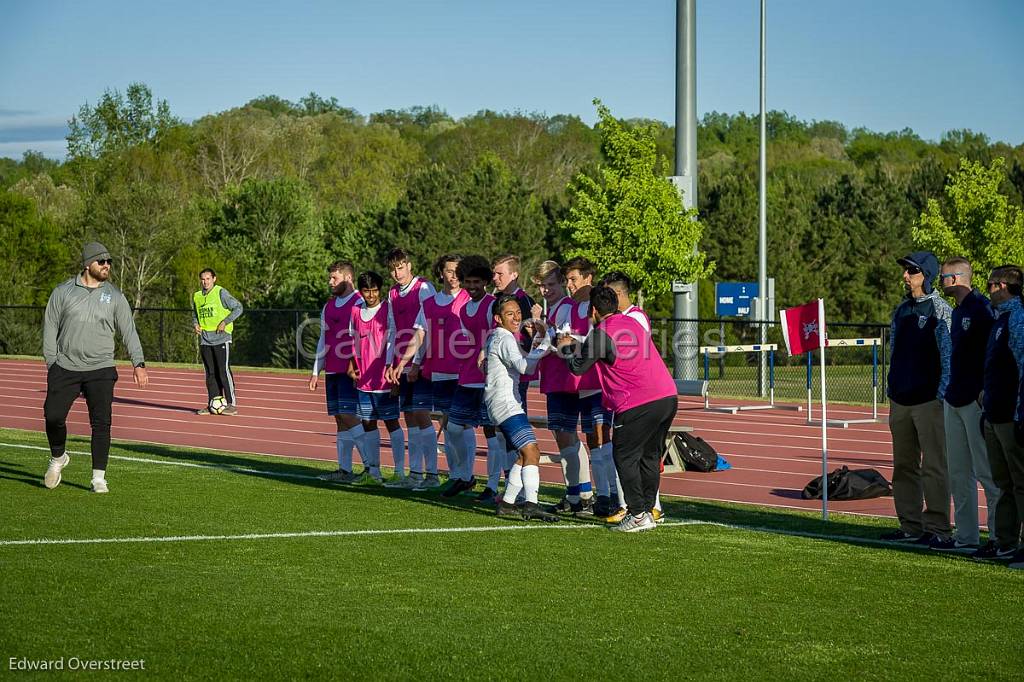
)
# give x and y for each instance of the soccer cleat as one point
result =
(899, 536)
(455, 486)
(635, 524)
(429, 482)
(584, 508)
(487, 496)
(616, 517)
(52, 477)
(99, 485)
(563, 506)
(658, 516)
(508, 511)
(203, 412)
(231, 411)
(532, 511)
(337, 476)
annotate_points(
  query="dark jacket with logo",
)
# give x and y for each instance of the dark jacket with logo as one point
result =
(1004, 360)
(972, 321)
(920, 349)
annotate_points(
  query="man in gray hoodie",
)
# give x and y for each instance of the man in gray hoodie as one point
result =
(78, 345)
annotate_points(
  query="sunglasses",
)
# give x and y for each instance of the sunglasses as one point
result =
(950, 275)
(913, 270)
(105, 261)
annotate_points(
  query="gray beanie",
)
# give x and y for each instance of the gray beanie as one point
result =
(92, 252)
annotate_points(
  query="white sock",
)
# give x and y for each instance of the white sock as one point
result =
(657, 500)
(371, 455)
(415, 452)
(495, 460)
(99, 474)
(398, 450)
(583, 480)
(358, 435)
(618, 490)
(571, 469)
(531, 482)
(455, 446)
(345, 444)
(469, 438)
(601, 482)
(428, 438)
(513, 484)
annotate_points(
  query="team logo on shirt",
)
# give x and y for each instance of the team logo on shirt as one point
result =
(105, 298)
(922, 320)
(965, 323)
(999, 330)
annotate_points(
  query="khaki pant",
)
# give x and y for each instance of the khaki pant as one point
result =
(1007, 461)
(920, 481)
(967, 459)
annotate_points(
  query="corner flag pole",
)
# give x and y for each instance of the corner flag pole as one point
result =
(824, 413)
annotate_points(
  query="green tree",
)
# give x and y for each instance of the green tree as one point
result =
(38, 256)
(976, 221)
(634, 220)
(118, 122)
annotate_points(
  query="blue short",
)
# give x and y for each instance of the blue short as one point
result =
(441, 393)
(341, 394)
(374, 406)
(593, 414)
(468, 407)
(414, 396)
(517, 431)
(563, 411)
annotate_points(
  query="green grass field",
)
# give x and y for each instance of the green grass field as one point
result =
(272, 574)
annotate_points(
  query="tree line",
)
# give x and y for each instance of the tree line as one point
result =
(270, 192)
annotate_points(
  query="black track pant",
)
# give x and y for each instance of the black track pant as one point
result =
(638, 443)
(62, 388)
(216, 361)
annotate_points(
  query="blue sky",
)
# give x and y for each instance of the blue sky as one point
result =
(930, 65)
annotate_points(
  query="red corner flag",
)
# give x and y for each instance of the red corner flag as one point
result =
(803, 327)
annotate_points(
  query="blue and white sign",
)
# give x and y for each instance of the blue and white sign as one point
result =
(735, 299)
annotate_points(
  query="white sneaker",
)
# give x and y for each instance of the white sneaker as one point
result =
(635, 524)
(52, 478)
(99, 485)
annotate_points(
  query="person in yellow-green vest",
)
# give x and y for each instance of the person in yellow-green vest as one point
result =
(214, 311)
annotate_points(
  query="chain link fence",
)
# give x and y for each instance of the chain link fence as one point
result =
(288, 338)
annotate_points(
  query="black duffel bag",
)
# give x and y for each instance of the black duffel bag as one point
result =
(846, 484)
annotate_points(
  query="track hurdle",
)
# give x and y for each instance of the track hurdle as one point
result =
(768, 348)
(839, 343)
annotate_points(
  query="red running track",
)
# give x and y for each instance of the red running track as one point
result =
(774, 453)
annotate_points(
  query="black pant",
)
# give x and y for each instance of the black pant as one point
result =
(216, 361)
(62, 388)
(638, 443)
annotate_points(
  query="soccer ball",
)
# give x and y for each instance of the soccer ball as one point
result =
(218, 404)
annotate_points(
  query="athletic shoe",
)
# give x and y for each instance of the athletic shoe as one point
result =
(584, 508)
(99, 485)
(468, 486)
(602, 506)
(1017, 561)
(616, 517)
(658, 516)
(429, 482)
(366, 478)
(635, 524)
(487, 496)
(337, 476)
(532, 511)
(925, 540)
(456, 486)
(508, 511)
(563, 506)
(231, 411)
(952, 545)
(52, 477)
(203, 412)
(899, 536)
(986, 551)
(399, 483)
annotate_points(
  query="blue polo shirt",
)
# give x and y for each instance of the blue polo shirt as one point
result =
(971, 322)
